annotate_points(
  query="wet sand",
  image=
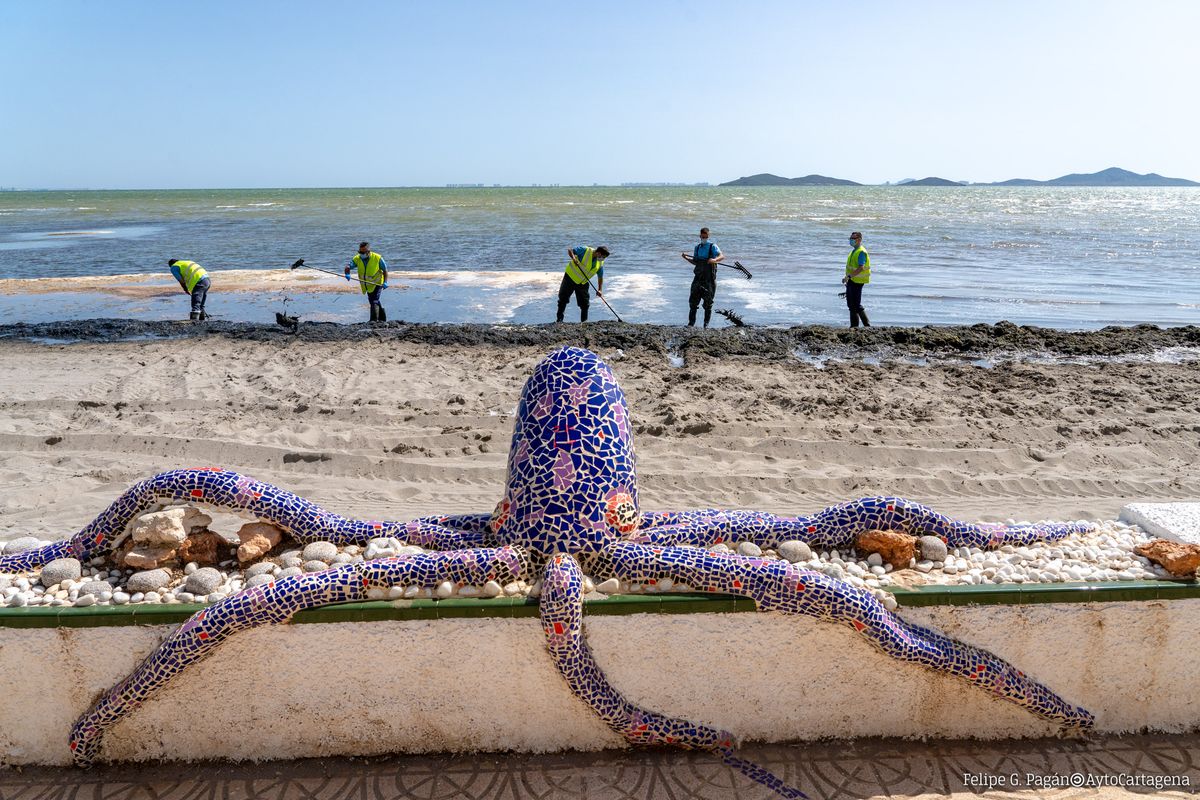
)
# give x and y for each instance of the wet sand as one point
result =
(406, 420)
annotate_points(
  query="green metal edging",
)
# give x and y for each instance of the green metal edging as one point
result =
(514, 607)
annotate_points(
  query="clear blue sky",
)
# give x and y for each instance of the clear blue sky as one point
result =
(257, 94)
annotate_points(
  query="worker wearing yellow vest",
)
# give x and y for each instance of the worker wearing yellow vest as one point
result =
(585, 263)
(372, 278)
(858, 275)
(195, 281)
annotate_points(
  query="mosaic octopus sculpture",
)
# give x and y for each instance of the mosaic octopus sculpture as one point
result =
(570, 506)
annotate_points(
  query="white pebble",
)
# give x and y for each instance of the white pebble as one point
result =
(493, 589)
(191, 567)
(610, 586)
(86, 600)
(444, 589)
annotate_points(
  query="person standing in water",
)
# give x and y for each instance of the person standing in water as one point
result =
(372, 278)
(585, 263)
(704, 260)
(858, 275)
(195, 281)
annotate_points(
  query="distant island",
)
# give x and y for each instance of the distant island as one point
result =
(767, 179)
(1113, 176)
(931, 182)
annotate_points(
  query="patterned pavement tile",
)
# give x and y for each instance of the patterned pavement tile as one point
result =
(832, 770)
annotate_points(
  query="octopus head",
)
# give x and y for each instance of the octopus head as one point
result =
(572, 477)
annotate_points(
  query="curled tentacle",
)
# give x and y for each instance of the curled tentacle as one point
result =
(304, 520)
(561, 609)
(837, 526)
(274, 603)
(779, 586)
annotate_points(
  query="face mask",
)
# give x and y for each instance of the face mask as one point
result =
(853, 243)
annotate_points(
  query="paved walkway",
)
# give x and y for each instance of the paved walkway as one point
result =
(833, 771)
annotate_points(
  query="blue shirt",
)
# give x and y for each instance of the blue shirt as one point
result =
(710, 250)
(862, 258)
(580, 252)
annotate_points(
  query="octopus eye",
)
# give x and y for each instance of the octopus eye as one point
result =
(621, 513)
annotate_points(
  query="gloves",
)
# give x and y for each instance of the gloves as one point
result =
(383, 285)
(347, 276)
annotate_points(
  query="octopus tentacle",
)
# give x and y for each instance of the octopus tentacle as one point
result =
(304, 520)
(779, 586)
(274, 603)
(837, 526)
(466, 523)
(561, 610)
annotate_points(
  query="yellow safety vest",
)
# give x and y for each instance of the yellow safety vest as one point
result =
(852, 264)
(368, 272)
(191, 272)
(590, 266)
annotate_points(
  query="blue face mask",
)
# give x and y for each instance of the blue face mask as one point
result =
(853, 243)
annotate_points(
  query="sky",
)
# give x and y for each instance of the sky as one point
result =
(295, 94)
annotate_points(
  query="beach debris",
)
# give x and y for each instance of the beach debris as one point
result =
(290, 323)
(895, 547)
(732, 316)
(1178, 558)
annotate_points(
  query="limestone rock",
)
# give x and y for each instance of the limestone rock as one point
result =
(932, 549)
(383, 547)
(61, 569)
(168, 528)
(257, 539)
(149, 557)
(150, 580)
(896, 547)
(1178, 558)
(204, 548)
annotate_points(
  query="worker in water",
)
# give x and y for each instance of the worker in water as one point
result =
(858, 275)
(195, 281)
(372, 278)
(704, 260)
(585, 263)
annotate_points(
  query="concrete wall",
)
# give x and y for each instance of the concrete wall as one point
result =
(460, 685)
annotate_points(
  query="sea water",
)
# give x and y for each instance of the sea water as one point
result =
(1059, 257)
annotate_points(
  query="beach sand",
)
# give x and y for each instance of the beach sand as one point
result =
(378, 427)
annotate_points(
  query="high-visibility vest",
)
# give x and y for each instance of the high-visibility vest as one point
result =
(852, 264)
(191, 273)
(368, 272)
(590, 266)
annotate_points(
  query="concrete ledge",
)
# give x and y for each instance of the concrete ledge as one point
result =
(457, 683)
(1179, 522)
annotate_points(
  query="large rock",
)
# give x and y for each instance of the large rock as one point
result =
(895, 547)
(257, 539)
(149, 557)
(319, 551)
(794, 551)
(21, 545)
(1178, 558)
(204, 581)
(169, 527)
(205, 548)
(932, 549)
(61, 569)
(150, 580)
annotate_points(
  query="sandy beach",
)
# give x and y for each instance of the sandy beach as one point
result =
(399, 422)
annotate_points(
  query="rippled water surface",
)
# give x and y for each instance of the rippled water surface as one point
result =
(1075, 258)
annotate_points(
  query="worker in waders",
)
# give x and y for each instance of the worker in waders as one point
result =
(372, 278)
(704, 260)
(586, 263)
(195, 281)
(858, 275)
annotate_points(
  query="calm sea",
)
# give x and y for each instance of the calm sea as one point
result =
(1072, 258)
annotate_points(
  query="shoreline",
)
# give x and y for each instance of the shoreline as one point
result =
(1003, 339)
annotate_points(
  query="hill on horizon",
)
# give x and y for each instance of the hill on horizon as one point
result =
(1113, 176)
(767, 179)
(932, 181)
